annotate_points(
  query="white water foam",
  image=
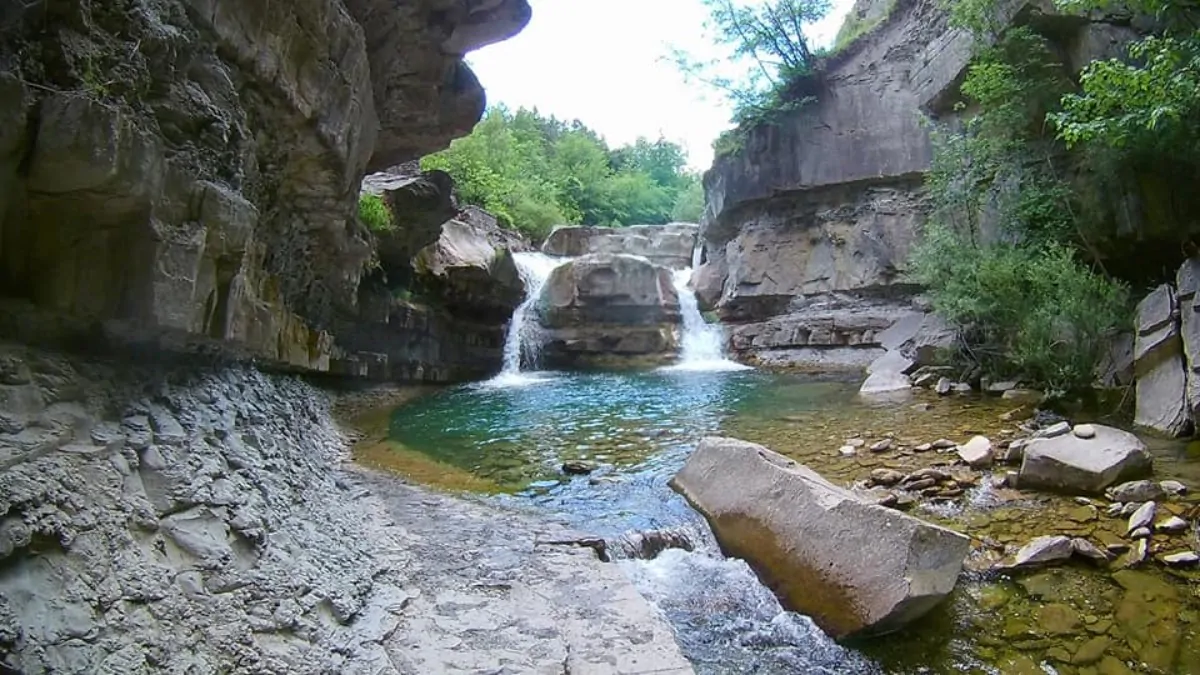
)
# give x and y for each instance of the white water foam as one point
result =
(523, 341)
(701, 343)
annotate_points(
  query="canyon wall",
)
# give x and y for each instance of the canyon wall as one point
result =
(192, 167)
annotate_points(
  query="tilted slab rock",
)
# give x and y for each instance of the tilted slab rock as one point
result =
(1158, 365)
(857, 568)
(1071, 464)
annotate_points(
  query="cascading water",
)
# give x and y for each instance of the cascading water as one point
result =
(700, 342)
(523, 341)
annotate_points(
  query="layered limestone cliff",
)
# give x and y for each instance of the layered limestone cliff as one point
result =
(809, 224)
(192, 167)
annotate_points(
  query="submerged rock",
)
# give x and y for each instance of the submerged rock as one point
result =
(857, 568)
(1071, 464)
(1044, 550)
(1136, 491)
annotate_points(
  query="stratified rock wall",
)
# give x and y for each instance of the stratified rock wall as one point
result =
(193, 166)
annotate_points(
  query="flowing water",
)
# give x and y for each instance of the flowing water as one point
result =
(701, 344)
(508, 444)
(523, 340)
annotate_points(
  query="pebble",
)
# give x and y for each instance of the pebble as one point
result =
(846, 451)
(1142, 517)
(881, 446)
(1137, 554)
(577, 467)
(1173, 487)
(1182, 558)
(1084, 431)
(1114, 510)
(1140, 533)
(1057, 429)
(943, 444)
(1129, 508)
(886, 477)
(920, 484)
(1089, 550)
(924, 447)
(1172, 525)
(856, 442)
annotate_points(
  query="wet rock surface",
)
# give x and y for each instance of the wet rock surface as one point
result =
(1087, 465)
(669, 245)
(183, 519)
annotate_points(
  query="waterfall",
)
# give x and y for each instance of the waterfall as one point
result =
(700, 342)
(523, 340)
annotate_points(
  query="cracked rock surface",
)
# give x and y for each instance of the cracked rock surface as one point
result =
(190, 520)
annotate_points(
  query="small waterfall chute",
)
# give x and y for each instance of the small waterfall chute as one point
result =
(701, 343)
(523, 339)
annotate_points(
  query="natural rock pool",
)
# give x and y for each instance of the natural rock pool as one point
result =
(509, 444)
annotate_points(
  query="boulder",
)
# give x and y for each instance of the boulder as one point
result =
(473, 277)
(1158, 365)
(857, 568)
(977, 452)
(886, 374)
(1188, 283)
(1045, 550)
(1085, 465)
(669, 245)
(609, 310)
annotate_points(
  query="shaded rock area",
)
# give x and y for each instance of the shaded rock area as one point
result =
(855, 567)
(669, 245)
(185, 168)
(607, 309)
(169, 518)
(1158, 365)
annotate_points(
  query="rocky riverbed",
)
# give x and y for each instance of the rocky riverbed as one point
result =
(162, 517)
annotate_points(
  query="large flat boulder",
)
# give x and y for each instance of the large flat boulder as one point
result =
(1158, 365)
(1068, 463)
(472, 276)
(669, 245)
(856, 568)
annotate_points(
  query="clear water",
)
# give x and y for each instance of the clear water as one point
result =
(523, 340)
(639, 428)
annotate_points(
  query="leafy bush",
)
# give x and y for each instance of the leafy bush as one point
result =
(1034, 311)
(374, 213)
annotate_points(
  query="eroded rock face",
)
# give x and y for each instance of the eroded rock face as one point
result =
(609, 309)
(1159, 365)
(668, 245)
(472, 276)
(200, 174)
(856, 568)
(1068, 463)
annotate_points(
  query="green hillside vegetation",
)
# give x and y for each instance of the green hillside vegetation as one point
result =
(534, 172)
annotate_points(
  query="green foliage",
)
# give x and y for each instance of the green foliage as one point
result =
(689, 205)
(374, 213)
(1035, 311)
(535, 172)
(856, 26)
(998, 254)
(768, 65)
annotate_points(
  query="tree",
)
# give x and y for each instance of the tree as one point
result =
(768, 55)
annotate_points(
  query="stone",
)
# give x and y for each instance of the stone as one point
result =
(1172, 525)
(471, 275)
(1058, 619)
(1138, 552)
(578, 467)
(669, 245)
(886, 477)
(881, 446)
(1140, 533)
(1087, 549)
(1188, 283)
(1136, 491)
(847, 451)
(943, 444)
(1000, 388)
(977, 452)
(943, 386)
(855, 567)
(924, 447)
(606, 309)
(856, 442)
(1142, 517)
(1158, 365)
(1056, 429)
(1044, 550)
(1148, 616)
(1071, 464)
(887, 374)
(1173, 487)
(1114, 510)
(1014, 451)
(1181, 559)
(1084, 431)
(1027, 395)
(1091, 651)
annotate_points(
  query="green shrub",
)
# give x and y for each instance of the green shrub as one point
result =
(1029, 310)
(374, 213)
(855, 26)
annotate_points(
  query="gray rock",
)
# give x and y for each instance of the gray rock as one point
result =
(578, 467)
(1173, 487)
(1172, 525)
(977, 452)
(1188, 283)
(889, 567)
(1114, 510)
(886, 477)
(1014, 452)
(1181, 559)
(881, 446)
(1140, 533)
(1159, 367)
(1084, 431)
(472, 275)
(1142, 517)
(668, 245)
(943, 444)
(1056, 429)
(1136, 491)
(1087, 549)
(1002, 387)
(886, 374)
(1072, 464)
(1138, 553)
(943, 386)
(1128, 509)
(1044, 550)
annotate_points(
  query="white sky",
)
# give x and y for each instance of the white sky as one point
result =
(600, 61)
